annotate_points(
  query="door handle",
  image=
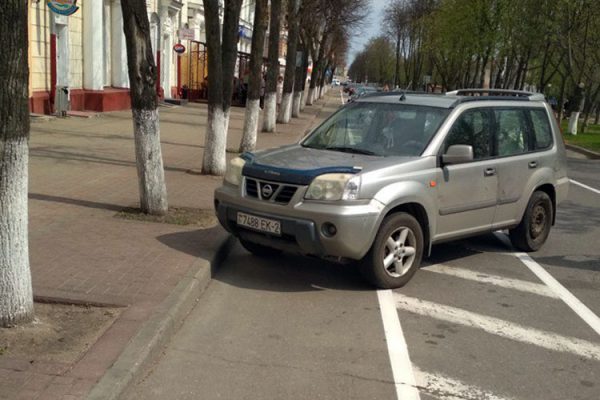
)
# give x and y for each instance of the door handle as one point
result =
(489, 172)
(532, 164)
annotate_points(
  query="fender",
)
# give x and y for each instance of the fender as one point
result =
(543, 176)
(405, 192)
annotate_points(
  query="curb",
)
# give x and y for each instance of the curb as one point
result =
(157, 331)
(589, 153)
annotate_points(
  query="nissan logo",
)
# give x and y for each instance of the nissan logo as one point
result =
(267, 191)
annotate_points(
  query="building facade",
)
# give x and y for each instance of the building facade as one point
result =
(85, 54)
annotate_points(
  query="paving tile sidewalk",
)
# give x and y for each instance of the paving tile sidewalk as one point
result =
(82, 171)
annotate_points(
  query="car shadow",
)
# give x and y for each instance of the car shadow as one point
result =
(460, 249)
(288, 273)
(580, 262)
(200, 243)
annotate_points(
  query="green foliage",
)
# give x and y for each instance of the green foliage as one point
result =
(375, 63)
(548, 46)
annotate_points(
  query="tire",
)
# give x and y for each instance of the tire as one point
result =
(398, 243)
(534, 228)
(258, 249)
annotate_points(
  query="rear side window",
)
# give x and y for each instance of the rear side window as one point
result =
(511, 132)
(542, 133)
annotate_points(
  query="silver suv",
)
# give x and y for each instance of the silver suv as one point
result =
(389, 175)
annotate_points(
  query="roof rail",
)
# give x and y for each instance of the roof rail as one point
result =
(398, 92)
(497, 93)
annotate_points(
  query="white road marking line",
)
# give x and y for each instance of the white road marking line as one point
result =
(342, 96)
(446, 388)
(573, 302)
(585, 186)
(576, 305)
(499, 327)
(515, 284)
(404, 377)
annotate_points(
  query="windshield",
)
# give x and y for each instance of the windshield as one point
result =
(379, 129)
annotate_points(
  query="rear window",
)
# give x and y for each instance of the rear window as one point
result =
(542, 133)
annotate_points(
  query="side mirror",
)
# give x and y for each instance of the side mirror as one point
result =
(458, 154)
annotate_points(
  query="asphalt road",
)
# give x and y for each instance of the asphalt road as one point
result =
(475, 322)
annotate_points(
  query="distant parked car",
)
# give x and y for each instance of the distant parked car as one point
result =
(388, 176)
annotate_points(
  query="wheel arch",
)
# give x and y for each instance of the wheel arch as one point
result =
(551, 192)
(418, 211)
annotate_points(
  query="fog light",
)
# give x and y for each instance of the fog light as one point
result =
(329, 229)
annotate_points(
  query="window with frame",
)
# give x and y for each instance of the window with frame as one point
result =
(511, 132)
(542, 133)
(472, 128)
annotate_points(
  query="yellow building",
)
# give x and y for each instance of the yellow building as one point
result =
(86, 53)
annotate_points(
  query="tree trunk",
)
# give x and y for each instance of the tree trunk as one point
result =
(561, 98)
(590, 100)
(16, 295)
(573, 120)
(577, 102)
(221, 64)
(270, 113)
(248, 142)
(144, 107)
(305, 88)
(299, 83)
(397, 69)
(322, 80)
(285, 113)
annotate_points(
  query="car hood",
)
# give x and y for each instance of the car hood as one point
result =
(300, 165)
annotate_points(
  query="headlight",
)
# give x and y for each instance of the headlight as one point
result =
(334, 187)
(233, 174)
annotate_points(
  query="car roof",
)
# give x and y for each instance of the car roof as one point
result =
(450, 99)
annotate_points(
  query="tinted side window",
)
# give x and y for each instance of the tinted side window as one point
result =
(511, 132)
(472, 128)
(542, 133)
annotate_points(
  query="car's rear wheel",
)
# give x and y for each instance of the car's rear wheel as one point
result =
(534, 228)
(258, 249)
(396, 252)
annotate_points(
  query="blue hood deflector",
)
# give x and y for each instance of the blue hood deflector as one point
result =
(287, 175)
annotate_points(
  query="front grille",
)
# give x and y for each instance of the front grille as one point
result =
(251, 188)
(268, 191)
(285, 194)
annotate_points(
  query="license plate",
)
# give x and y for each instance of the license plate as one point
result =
(259, 223)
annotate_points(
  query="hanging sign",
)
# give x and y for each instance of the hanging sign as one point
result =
(63, 7)
(179, 48)
(186, 34)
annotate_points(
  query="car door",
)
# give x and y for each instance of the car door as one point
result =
(522, 135)
(467, 192)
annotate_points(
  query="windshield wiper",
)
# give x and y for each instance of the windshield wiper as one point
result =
(354, 150)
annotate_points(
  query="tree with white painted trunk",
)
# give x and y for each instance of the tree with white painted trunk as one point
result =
(576, 106)
(285, 112)
(255, 84)
(270, 112)
(144, 107)
(16, 295)
(222, 52)
(299, 80)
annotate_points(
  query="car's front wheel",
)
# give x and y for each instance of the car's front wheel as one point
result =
(396, 252)
(534, 228)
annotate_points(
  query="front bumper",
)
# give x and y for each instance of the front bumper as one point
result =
(302, 222)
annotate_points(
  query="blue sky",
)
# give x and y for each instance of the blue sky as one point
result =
(370, 29)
